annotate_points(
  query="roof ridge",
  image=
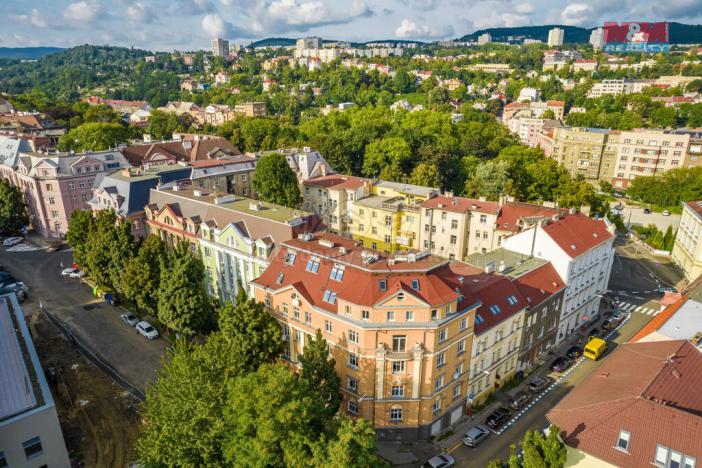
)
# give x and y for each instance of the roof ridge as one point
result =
(660, 369)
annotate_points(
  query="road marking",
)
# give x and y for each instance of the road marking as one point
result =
(21, 248)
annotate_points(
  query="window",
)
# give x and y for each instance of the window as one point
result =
(434, 314)
(52, 201)
(267, 300)
(290, 257)
(81, 184)
(398, 367)
(279, 278)
(665, 457)
(453, 240)
(483, 218)
(415, 284)
(512, 300)
(397, 391)
(464, 324)
(436, 407)
(347, 309)
(337, 272)
(308, 317)
(49, 187)
(442, 335)
(353, 360)
(285, 308)
(457, 391)
(374, 230)
(296, 312)
(441, 359)
(327, 326)
(312, 264)
(623, 441)
(32, 448)
(399, 343)
(353, 407)
(495, 309)
(479, 319)
(54, 214)
(396, 414)
(409, 315)
(438, 383)
(352, 384)
(365, 315)
(383, 285)
(353, 336)
(391, 316)
(329, 296)
(71, 185)
(461, 347)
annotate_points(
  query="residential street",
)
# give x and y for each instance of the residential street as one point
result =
(93, 321)
(635, 215)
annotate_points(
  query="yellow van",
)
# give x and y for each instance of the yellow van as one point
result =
(594, 348)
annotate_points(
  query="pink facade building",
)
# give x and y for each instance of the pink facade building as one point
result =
(54, 184)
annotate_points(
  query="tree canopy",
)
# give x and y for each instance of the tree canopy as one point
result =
(275, 182)
(13, 210)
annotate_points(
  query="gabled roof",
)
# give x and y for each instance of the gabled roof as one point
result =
(575, 233)
(337, 181)
(512, 212)
(650, 390)
(539, 284)
(461, 205)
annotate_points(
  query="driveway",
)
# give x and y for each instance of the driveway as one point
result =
(634, 215)
(94, 322)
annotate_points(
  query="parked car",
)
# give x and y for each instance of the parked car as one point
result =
(647, 210)
(539, 384)
(476, 435)
(560, 364)
(574, 352)
(519, 400)
(497, 418)
(145, 329)
(68, 271)
(443, 460)
(129, 318)
(10, 241)
(666, 213)
(77, 273)
(596, 332)
(608, 325)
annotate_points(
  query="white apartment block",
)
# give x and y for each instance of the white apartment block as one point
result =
(555, 37)
(687, 250)
(484, 38)
(333, 198)
(220, 47)
(618, 87)
(597, 38)
(581, 250)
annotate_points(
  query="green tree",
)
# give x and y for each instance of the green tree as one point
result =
(391, 151)
(489, 180)
(425, 174)
(162, 124)
(275, 182)
(353, 445)
(142, 274)
(533, 457)
(79, 227)
(13, 210)
(183, 305)
(668, 239)
(555, 453)
(123, 249)
(548, 114)
(253, 334)
(183, 422)
(93, 136)
(268, 417)
(100, 246)
(318, 373)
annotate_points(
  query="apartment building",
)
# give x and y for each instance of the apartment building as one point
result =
(220, 47)
(306, 163)
(233, 175)
(454, 227)
(541, 288)
(251, 109)
(525, 119)
(584, 152)
(497, 68)
(333, 198)
(621, 86)
(30, 433)
(388, 219)
(399, 327)
(555, 37)
(585, 65)
(646, 152)
(517, 216)
(581, 250)
(687, 250)
(184, 147)
(55, 184)
(235, 237)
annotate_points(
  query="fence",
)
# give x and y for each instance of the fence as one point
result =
(92, 357)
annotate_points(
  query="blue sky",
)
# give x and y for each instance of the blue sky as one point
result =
(190, 24)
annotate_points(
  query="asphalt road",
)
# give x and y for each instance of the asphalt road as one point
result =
(498, 446)
(95, 322)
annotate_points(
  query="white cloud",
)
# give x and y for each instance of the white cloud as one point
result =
(81, 11)
(34, 18)
(576, 14)
(421, 5)
(140, 13)
(409, 29)
(504, 20)
(214, 26)
(525, 8)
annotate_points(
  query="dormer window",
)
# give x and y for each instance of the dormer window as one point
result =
(623, 441)
(512, 300)
(290, 257)
(312, 264)
(415, 284)
(383, 285)
(337, 273)
(329, 296)
(495, 309)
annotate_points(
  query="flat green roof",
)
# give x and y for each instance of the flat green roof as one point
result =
(516, 264)
(150, 173)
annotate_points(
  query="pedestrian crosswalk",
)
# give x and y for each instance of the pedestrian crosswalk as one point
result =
(21, 248)
(635, 308)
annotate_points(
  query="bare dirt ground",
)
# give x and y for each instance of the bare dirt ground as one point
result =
(99, 418)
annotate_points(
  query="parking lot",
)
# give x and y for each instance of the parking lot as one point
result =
(97, 324)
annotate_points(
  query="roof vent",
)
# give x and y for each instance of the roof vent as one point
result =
(343, 251)
(572, 246)
(224, 199)
(255, 206)
(460, 279)
(594, 234)
(197, 193)
(555, 285)
(440, 205)
(489, 267)
(556, 217)
(326, 243)
(305, 236)
(676, 373)
(473, 206)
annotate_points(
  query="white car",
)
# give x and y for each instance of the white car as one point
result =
(68, 271)
(666, 213)
(129, 318)
(145, 329)
(76, 273)
(10, 241)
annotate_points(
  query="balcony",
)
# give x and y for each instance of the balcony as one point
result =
(399, 355)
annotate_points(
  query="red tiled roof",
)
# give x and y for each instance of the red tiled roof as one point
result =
(585, 61)
(221, 162)
(539, 284)
(461, 205)
(576, 234)
(337, 181)
(552, 103)
(650, 390)
(695, 206)
(512, 212)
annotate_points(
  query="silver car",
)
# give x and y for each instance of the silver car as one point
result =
(476, 435)
(443, 460)
(129, 318)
